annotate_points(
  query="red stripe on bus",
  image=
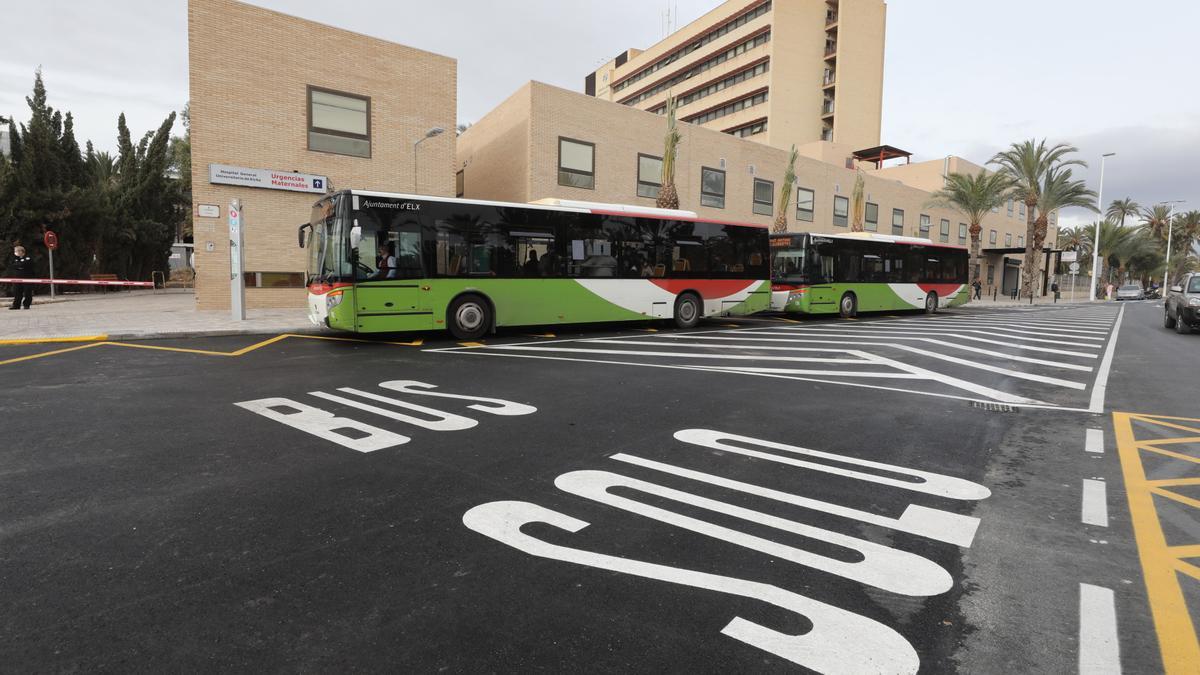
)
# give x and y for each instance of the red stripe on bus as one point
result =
(943, 290)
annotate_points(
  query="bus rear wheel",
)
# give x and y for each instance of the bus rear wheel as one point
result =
(931, 303)
(469, 317)
(687, 310)
(848, 307)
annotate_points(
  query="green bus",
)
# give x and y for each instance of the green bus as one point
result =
(380, 262)
(846, 273)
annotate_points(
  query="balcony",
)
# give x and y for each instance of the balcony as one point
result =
(830, 49)
(827, 108)
(831, 18)
(829, 80)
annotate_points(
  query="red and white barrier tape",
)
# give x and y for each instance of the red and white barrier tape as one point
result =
(76, 282)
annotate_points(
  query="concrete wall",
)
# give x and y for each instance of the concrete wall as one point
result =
(859, 90)
(249, 71)
(797, 59)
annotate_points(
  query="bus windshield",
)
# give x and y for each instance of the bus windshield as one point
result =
(788, 265)
(327, 260)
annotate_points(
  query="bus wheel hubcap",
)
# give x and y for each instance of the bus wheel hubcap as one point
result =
(687, 310)
(847, 305)
(469, 316)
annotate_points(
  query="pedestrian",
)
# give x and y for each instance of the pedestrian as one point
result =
(21, 268)
(1054, 290)
(978, 289)
(1108, 291)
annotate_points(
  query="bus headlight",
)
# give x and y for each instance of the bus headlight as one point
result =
(333, 299)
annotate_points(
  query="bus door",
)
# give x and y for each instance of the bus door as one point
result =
(389, 295)
(822, 296)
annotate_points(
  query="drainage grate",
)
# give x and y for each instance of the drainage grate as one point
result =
(994, 407)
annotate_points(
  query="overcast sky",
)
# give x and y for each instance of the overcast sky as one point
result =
(964, 77)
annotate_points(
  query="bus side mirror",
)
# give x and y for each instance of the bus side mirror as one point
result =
(355, 236)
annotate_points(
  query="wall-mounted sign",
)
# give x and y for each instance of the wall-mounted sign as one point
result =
(210, 211)
(266, 178)
(1067, 256)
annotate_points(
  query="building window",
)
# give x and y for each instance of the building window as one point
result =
(1010, 208)
(576, 163)
(924, 225)
(1022, 209)
(898, 222)
(751, 129)
(746, 74)
(872, 217)
(712, 188)
(729, 108)
(944, 231)
(841, 211)
(1021, 241)
(649, 175)
(764, 192)
(274, 279)
(460, 183)
(962, 233)
(339, 123)
(1007, 239)
(805, 201)
(992, 237)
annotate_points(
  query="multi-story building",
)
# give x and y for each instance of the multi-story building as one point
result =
(549, 143)
(284, 109)
(780, 72)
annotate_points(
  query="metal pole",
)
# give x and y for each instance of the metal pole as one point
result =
(1167, 271)
(51, 274)
(1096, 242)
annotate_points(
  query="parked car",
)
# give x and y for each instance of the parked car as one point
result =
(1181, 308)
(1131, 292)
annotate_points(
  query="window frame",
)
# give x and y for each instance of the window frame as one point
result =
(310, 129)
(868, 224)
(559, 166)
(800, 213)
(964, 233)
(896, 211)
(844, 216)
(769, 204)
(724, 187)
(460, 183)
(924, 224)
(944, 231)
(637, 176)
(992, 235)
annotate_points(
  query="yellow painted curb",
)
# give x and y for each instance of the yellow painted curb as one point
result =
(39, 341)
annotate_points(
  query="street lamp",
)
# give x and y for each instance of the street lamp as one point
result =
(436, 131)
(1096, 239)
(1170, 228)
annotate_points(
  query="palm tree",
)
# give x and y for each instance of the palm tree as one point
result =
(974, 196)
(1115, 243)
(668, 195)
(785, 194)
(1156, 219)
(1120, 209)
(858, 204)
(1028, 164)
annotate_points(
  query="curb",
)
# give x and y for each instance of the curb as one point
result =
(45, 340)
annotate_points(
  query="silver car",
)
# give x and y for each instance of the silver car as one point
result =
(1131, 292)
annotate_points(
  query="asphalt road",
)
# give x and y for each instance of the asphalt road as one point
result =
(886, 494)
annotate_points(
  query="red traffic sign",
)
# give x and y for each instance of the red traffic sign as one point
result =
(51, 240)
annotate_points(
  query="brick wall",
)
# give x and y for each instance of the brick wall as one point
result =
(249, 71)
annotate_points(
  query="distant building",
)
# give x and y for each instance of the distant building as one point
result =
(779, 72)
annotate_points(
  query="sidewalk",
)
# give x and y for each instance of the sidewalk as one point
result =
(138, 315)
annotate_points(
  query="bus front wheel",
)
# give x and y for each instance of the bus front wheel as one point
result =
(931, 303)
(848, 307)
(469, 317)
(687, 311)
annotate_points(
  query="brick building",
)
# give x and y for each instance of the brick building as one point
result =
(296, 107)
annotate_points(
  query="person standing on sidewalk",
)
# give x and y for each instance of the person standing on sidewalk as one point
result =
(21, 268)
(1054, 290)
(978, 289)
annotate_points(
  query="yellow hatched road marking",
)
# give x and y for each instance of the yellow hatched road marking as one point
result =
(1162, 563)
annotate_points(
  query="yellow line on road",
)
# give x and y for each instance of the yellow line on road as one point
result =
(51, 353)
(1161, 563)
(39, 341)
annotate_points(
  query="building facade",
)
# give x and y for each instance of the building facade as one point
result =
(284, 109)
(780, 72)
(544, 142)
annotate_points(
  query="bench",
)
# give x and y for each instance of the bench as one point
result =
(103, 277)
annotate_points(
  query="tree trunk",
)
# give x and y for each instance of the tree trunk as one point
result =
(1040, 226)
(975, 262)
(668, 197)
(1033, 250)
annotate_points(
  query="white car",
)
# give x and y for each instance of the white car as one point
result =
(1131, 292)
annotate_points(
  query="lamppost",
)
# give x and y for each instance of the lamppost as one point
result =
(436, 131)
(1096, 239)
(1170, 228)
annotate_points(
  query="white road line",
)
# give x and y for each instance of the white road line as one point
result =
(1020, 328)
(1003, 328)
(1101, 387)
(943, 343)
(1094, 441)
(892, 333)
(687, 355)
(1099, 648)
(1095, 502)
(1033, 377)
(905, 329)
(1066, 327)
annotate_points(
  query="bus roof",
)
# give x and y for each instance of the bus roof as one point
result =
(875, 236)
(566, 205)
